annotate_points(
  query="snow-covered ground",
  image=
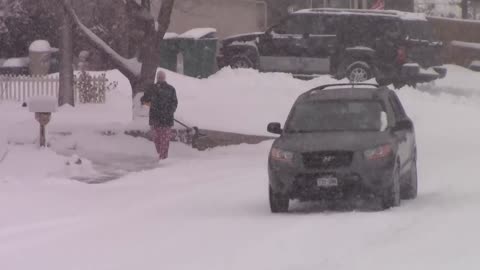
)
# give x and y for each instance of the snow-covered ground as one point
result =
(209, 210)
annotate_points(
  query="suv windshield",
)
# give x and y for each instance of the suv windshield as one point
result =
(343, 115)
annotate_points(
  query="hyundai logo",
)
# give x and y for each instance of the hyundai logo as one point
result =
(327, 159)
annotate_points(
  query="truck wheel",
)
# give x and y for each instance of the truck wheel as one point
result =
(278, 202)
(410, 189)
(392, 196)
(241, 61)
(359, 72)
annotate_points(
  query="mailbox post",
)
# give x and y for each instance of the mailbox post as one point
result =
(43, 107)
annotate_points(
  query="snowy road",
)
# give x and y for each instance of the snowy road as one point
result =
(209, 211)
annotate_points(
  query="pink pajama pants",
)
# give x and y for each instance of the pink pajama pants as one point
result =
(161, 138)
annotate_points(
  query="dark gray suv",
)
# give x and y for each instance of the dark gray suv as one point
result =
(344, 140)
(394, 47)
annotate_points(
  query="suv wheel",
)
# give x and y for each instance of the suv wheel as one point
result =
(241, 61)
(410, 190)
(392, 196)
(359, 72)
(278, 202)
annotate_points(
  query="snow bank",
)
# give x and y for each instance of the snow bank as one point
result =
(468, 45)
(16, 62)
(236, 100)
(30, 163)
(475, 65)
(459, 81)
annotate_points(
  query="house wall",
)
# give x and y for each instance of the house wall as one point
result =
(229, 17)
(448, 30)
(278, 9)
(404, 5)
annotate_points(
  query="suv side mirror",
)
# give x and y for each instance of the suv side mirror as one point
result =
(405, 124)
(275, 128)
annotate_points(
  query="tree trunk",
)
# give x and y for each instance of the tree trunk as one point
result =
(150, 53)
(66, 94)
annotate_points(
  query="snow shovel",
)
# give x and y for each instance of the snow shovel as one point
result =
(196, 133)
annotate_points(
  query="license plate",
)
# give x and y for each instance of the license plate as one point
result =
(327, 181)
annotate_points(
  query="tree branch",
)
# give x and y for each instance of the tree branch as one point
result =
(163, 18)
(131, 68)
(153, 37)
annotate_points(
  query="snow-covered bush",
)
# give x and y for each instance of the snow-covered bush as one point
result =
(92, 89)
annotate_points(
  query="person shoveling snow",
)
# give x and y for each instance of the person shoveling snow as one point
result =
(161, 97)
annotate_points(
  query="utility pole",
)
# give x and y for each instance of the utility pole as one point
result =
(65, 95)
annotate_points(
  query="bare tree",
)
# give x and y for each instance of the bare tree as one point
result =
(138, 71)
(66, 95)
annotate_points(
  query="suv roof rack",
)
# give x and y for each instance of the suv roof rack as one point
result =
(323, 87)
(394, 13)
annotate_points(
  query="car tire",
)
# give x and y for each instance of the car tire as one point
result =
(410, 189)
(278, 202)
(392, 196)
(359, 72)
(241, 61)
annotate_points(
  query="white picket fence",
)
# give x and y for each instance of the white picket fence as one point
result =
(20, 88)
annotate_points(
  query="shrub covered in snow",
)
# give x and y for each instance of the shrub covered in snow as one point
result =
(91, 90)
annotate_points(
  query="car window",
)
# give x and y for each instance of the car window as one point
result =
(361, 34)
(397, 107)
(336, 115)
(386, 26)
(418, 30)
(323, 25)
(299, 25)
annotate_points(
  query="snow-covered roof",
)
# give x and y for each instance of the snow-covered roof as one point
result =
(384, 13)
(198, 33)
(170, 35)
(41, 46)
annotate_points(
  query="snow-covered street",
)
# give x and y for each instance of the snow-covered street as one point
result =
(209, 210)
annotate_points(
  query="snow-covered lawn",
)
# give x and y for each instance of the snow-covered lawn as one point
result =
(209, 210)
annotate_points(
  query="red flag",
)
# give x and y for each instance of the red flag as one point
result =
(379, 5)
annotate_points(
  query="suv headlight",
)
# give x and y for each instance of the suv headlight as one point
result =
(281, 155)
(378, 152)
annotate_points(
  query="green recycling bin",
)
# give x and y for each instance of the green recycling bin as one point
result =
(198, 49)
(169, 49)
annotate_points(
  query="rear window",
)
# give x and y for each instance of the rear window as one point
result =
(344, 115)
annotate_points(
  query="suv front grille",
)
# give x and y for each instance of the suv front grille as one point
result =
(327, 159)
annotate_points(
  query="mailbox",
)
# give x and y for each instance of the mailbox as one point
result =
(43, 107)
